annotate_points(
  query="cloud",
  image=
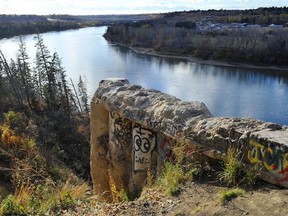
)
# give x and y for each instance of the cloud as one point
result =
(125, 6)
(244, 1)
(97, 6)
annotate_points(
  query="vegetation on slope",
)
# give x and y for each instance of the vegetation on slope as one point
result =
(44, 134)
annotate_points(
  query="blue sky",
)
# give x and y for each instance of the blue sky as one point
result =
(93, 7)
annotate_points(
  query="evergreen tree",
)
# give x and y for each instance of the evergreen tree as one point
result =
(25, 72)
(78, 105)
(63, 90)
(45, 73)
(83, 95)
(2, 92)
(9, 73)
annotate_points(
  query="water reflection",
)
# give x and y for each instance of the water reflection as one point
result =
(227, 91)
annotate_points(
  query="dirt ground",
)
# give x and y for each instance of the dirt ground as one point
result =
(195, 199)
(204, 199)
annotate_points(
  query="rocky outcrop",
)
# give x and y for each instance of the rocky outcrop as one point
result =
(131, 128)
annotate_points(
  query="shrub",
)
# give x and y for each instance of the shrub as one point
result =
(185, 164)
(232, 167)
(43, 199)
(10, 206)
(171, 177)
(235, 172)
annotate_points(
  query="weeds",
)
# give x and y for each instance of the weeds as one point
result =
(42, 199)
(235, 172)
(226, 196)
(118, 195)
(252, 175)
(184, 166)
(232, 167)
(41, 185)
(10, 206)
(171, 178)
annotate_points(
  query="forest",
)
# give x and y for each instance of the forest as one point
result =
(230, 35)
(8, 29)
(44, 134)
(261, 16)
(14, 25)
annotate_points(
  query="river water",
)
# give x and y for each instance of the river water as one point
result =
(226, 91)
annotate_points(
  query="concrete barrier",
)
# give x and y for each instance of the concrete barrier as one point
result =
(132, 128)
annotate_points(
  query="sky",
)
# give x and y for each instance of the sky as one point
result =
(95, 7)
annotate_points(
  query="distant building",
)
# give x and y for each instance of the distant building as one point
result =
(237, 25)
(275, 26)
(253, 26)
(209, 17)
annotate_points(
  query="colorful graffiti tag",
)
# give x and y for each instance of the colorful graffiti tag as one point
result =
(273, 157)
(144, 143)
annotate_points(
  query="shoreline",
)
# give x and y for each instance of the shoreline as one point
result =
(152, 52)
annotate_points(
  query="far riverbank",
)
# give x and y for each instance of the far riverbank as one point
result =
(151, 51)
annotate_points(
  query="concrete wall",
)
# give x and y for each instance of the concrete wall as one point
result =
(132, 127)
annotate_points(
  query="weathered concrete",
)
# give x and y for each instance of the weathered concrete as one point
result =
(99, 164)
(260, 142)
(150, 108)
(143, 122)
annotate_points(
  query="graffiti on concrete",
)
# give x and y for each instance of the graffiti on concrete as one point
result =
(144, 143)
(122, 130)
(273, 157)
(169, 127)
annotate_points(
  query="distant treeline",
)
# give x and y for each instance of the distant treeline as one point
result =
(9, 29)
(13, 25)
(261, 16)
(105, 19)
(21, 18)
(177, 33)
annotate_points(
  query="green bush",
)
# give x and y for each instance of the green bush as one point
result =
(170, 179)
(231, 194)
(9, 206)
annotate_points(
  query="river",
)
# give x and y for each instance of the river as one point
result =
(226, 91)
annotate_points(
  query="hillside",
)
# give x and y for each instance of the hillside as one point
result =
(44, 135)
(246, 36)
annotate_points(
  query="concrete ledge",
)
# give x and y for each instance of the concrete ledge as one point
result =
(142, 122)
(150, 108)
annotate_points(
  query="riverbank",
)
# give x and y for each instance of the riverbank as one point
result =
(151, 51)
